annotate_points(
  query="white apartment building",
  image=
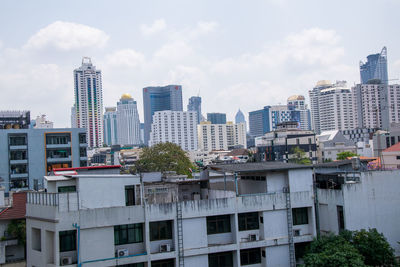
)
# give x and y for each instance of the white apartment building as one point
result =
(179, 127)
(221, 136)
(314, 103)
(336, 109)
(42, 122)
(128, 121)
(88, 94)
(256, 214)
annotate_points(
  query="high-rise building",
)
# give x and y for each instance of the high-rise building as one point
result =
(332, 107)
(178, 127)
(158, 99)
(110, 126)
(221, 136)
(128, 121)
(216, 118)
(240, 117)
(89, 102)
(259, 122)
(375, 68)
(300, 111)
(195, 105)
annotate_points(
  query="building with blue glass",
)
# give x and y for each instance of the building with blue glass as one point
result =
(195, 105)
(259, 121)
(216, 118)
(375, 68)
(110, 126)
(159, 98)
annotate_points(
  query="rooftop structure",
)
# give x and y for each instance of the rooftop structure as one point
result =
(14, 119)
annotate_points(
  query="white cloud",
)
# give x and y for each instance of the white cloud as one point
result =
(125, 58)
(157, 26)
(66, 36)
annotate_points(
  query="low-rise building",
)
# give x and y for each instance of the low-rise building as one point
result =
(331, 143)
(257, 214)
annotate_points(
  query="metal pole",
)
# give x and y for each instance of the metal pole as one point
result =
(236, 185)
(316, 204)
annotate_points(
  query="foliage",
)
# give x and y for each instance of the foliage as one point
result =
(332, 251)
(373, 246)
(299, 156)
(164, 157)
(345, 154)
(17, 229)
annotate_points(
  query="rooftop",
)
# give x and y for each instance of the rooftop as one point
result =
(257, 167)
(18, 208)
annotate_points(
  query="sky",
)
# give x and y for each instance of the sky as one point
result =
(234, 54)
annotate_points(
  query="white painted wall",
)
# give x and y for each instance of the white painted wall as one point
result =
(197, 261)
(276, 182)
(194, 233)
(275, 224)
(97, 243)
(278, 256)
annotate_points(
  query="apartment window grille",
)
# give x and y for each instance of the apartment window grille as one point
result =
(250, 256)
(161, 230)
(248, 221)
(218, 224)
(300, 216)
(67, 240)
(128, 234)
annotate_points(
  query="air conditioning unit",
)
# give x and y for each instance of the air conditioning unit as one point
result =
(66, 260)
(165, 248)
(253, 237)
(122, 252)
(297, 233)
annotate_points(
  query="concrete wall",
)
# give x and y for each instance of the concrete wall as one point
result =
(197, 261)
(278, 256)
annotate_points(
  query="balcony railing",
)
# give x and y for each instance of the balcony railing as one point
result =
(64, 201)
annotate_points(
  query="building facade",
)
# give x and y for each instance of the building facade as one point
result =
(15, 119)
(110, 126)
(259, 122)
(263, 221)
(42, 122)
(26, 155)
(195, 105)
(178, 127)
(216, 118)
(375, 68)
(300, 111)
(221, 136)
(158, 99)
(128, 121)
(239, 117)
(89, 102)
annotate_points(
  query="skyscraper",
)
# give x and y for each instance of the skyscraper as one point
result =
(89, 102)
(259, 122)
(375, 68)
(240, 117)
(300, 111)
(110, 126)
(216, 118)
(195, 105)
(128, 121)
(314, 94)
(158, 99)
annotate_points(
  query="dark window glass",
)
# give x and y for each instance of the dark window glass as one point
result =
(160, 230)
(128, 233)
(163, 263)
(392, 140)
(248, 221)
(130, 195)
(224, 259)
(340, 216)
(18, 140)
(300, 216)
(82, 138)
(67, 240)
(141, 264)
(82, 152)
(65, 189)
(218, 224)
(250, 256)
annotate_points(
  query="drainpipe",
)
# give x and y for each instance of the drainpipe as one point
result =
(76, 226)
(316, 203)
(236, 185)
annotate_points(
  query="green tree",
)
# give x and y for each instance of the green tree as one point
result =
(333, 251)
(373, 246)
(164, 157)
(17, 229)
(345, 154)
(299, 156)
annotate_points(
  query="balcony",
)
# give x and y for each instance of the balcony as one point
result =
(19, 175)
(67, 145)
(58, 159)
(19, 161)
(18, 147)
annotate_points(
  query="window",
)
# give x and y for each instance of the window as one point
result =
(397, 157)
(18, 140)
(130, 195)
(160, 230)
(248, 221)
(67, 240)
(250, 256)
(141, 264)
(36, 239)
(163, 263)
(224, 259)
(128, 234)
(65, 189)
(340, 217)
(300, 216)
(82, 138)
(218, 224)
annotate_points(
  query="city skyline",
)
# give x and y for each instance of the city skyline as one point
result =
(203, 49)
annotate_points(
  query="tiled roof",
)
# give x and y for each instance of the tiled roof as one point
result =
(394, 148)
(18, 208)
